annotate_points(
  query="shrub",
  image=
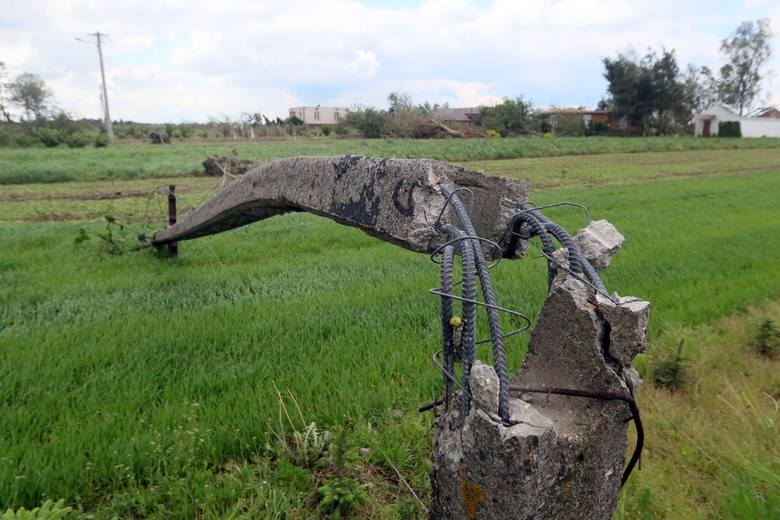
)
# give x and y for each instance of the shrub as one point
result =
(340, 495)
(48, 511)
(492, 134)
(407, 123)
(370, 122)
(342, 128)
(512, 117)
(326, 129)
(670, 372)
(729, 129)
(79, 140)
(51, 137)
(767, 341)
(101, 141)
(4, 137)
(24, 140)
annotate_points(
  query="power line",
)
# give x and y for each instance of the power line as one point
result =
(104, 101)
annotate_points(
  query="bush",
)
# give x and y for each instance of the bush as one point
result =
(101, 141)
(512, 117)
(670, 372)
(51, 137)
(326, 129)
(79, 140)
(767, 342)
(492, 134)
(24, 140)
(407, 123)
(569, 125)
(729, 129)
(48, 511)
(342, 128)
(370, 122)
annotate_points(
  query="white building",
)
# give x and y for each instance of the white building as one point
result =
(708, 122)
(319, 115)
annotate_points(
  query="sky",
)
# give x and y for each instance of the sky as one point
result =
(185, 60)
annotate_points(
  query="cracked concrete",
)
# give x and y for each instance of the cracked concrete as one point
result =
(393, 199)
(563, 457)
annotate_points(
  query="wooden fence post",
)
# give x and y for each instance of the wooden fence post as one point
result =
(172, 247)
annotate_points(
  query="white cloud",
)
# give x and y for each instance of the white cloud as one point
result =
(180, 59)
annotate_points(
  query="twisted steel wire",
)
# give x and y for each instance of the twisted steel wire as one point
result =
(536, 229)
(582, 263)
(468, 337)
(448, 254)
(494, 318)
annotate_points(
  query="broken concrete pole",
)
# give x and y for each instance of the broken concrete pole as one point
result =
(599, 241)
(560, 456)
(393, 199)
(483, 383)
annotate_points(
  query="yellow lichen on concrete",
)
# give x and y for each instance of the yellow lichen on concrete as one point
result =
(472, 494)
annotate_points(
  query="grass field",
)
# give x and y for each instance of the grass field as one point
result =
(142, 387)
(134, 161)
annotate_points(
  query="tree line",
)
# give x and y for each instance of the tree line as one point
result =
(653, 91)
(662, 98)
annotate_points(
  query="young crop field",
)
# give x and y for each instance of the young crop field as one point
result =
(135, 161)
(140, 386)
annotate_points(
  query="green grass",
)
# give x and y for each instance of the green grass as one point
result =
(132, 161)
(713, 450)
(139, 386)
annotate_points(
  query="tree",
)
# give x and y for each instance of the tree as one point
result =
(399, 102)
(30, 93)
(3, 109)
(747, 50)
(702, 88)
(511, 117)
(650, 91)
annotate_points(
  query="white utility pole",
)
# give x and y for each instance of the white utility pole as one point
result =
(106, 114)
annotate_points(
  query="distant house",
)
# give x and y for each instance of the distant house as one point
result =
(772, 112)
(468, 115)
(708, 122)
(319, 115)
(554, 116)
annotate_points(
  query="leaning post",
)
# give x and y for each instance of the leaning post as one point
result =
(172, 247)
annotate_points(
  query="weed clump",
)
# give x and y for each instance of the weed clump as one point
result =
(48, 511)
(767, 341)
(670, 372)
(340, 494)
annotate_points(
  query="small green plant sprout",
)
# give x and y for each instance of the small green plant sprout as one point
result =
(306, 445)
(340, 495)
(48, 511)
(81, 236)
(767, 341)
(113, 245)
(670, 372)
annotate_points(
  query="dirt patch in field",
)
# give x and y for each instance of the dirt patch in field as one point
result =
(109, 195)
(58, 217)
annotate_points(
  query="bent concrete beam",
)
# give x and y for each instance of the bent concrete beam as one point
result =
(396, 200)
